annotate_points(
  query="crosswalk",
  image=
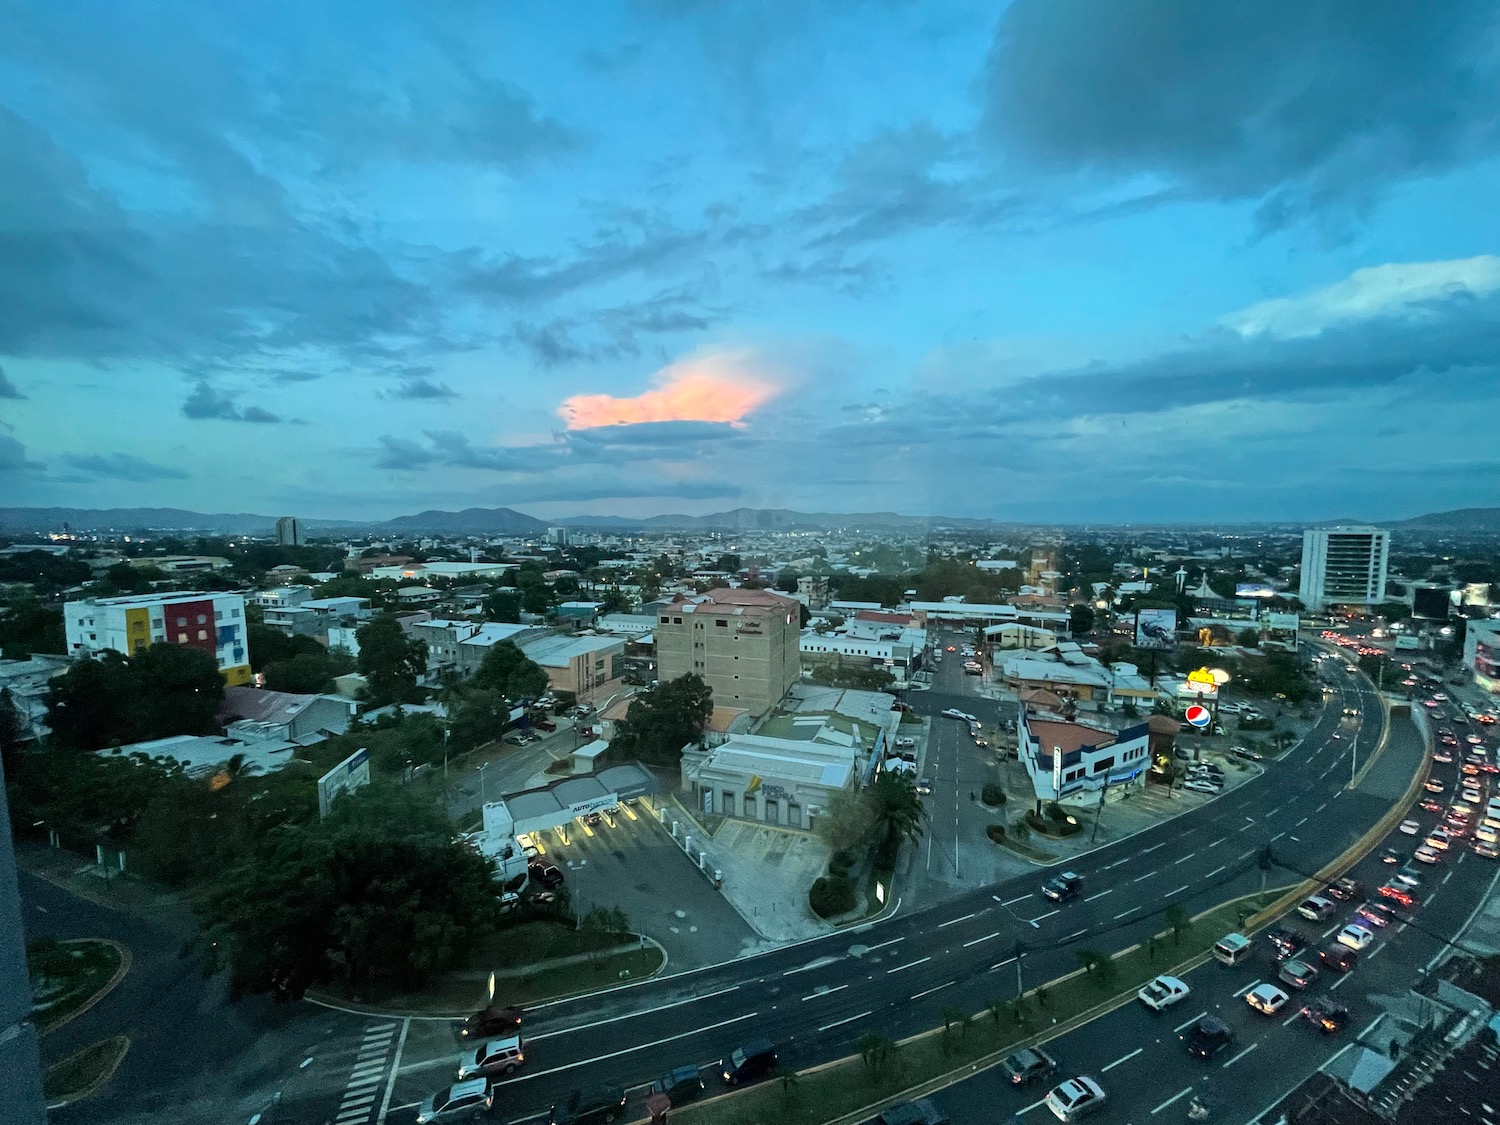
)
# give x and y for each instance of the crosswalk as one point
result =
(358, 1104)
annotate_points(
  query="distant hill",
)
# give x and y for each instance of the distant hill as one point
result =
(776, 519)
(14, 520)
(500, 521)
(1460, 521)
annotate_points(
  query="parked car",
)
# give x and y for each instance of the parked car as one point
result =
(588, 1107)
(546, 874)
(1247, 755)
(1061, 888)
(1075, 1098)
(462, 1101)
(487, 1023)
(682, 1084)
(1029, 1065)
(1208, 1037)
(1198, 785)
(754, 1060)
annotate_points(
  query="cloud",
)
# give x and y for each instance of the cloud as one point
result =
(13, 457)
(1400, 289)
(121, 466)
(422, 389)
(1299, 103)
(206, 402)
(718, 387)
(614, 332)
(7, 388)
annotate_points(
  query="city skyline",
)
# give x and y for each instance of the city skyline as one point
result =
(355, 263)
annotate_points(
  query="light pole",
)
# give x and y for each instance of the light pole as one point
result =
(483, 799)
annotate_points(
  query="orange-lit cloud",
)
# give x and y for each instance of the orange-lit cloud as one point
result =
(712, 388)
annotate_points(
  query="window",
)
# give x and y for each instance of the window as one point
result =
(181, 622)
(721, 624)
(218, 615)
(202, 619)
(234, 613)
(668, 621)
(676, 621)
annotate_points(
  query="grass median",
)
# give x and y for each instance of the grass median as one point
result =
(972, 1038)
(67, 976)
(83, 1072)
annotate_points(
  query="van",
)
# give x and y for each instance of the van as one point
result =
(1231, 949)
(755, 1059)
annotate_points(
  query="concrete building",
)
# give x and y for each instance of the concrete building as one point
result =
(1482, 653)
(1072, 760)
(289, 532)
(212, 623)
(772, 780)
(557, 536)
(813, 589)
(591, 667)
(255, 714)
(282, 597)
(1344, 566)
(744, 643)
(462, 645)
(634, 625)
(980, 613)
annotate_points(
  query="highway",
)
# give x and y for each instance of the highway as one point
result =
(897, 975)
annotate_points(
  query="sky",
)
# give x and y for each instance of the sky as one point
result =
(1050, 260)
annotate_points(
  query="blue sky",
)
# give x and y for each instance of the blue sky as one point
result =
(1030, 261)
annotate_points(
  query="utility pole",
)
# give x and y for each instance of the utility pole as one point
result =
(1098, 812)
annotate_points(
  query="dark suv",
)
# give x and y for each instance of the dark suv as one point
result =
(589, 1107)
(1061, 888)
(492, 1021)
(1029, 1065)
(1208, 1037)
(755, 1059)
(1286, 941)
(681, 1085)
(546, 874)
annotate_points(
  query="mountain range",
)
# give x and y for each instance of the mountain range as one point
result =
(508, 521)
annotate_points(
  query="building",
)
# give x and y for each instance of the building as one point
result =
(289, 532)
(213, 623)
(1072, 760)
(981, 614)
(772, 780)
(282, 597)
(591, 667)
(426, 571)
(1482, 653)
(582, 614)
(635, 625)
(1344, 566)
(20, 1056)
(743, 643)
(557, 536)
(254, 714)
(462, 645)
(813, 590)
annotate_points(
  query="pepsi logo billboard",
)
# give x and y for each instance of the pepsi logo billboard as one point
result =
(1197, 716)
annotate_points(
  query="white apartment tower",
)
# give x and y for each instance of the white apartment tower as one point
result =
(289, 532)
(1344, 566)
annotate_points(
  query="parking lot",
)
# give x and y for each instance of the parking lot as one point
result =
(630, 861)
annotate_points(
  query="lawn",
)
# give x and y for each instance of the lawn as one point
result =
(460, 993)
(66, 975)
(80, 1073)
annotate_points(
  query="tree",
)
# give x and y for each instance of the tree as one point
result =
(480, 717)
(897, 813)
(615, 601)
(1178, 922)
(14, 729)
(728, 563)
(304, 674)
(177, 690)
(1249, 638)
(662, 720)
(875, 1051)
(847, 822)
(390, 661)
(28, 626)
(271, 646)
(507, 670)
(504, 606)
(1080, 619)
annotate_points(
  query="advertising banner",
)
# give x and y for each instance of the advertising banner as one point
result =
(1155, 628)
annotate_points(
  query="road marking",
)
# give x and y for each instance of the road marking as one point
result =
(1010, 901)
(825, 992)
(1153, 847)
(526, 1077)
(882, 945)
(1219, 841)
(954, 921)
(1378, 948)
(1043, 917)
(1324, 935)
(1342, 978)
(1300, 823)
(1122, 1058)
(1190, 1022)
(930, 991)
(1297, 1015)
(1169, 894)
(1184, 859)
(1276, 837)
(1321, 807)
(1246, 989)
(1245, 855)
(1132, 910)
(815, 963)
(1242, 1054)
(1115, 864)
(977, 940)
(1446, 877)
(1214, 872)
(1032, 1106)
(908, 965)
(841, 1023)
(1144, 877)
(1101, 894)
(1247, 827)
(631, 1015)
(1070, 937)
(364, 1070)
(1001, 964)
(390, 1086)
(1177, 1097)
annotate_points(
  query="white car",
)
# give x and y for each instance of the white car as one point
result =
(1427, 855)
(1471, 795)
(1410, 827)
(1198, 785)
(1162, 992)
(1075, 1097)
(954, 713)
(1355, 937)
(1266, 999)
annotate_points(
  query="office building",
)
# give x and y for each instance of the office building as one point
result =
(214, 623)
(743, 643)
(289, 532)
(1344, 566)
(557, 536)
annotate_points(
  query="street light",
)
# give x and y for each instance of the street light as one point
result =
(483, 799)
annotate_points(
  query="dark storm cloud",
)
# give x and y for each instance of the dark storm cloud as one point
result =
(205, 402)
(121, 466)
(7, 388)
(13, 456)
(423, 389)
(1302, 102)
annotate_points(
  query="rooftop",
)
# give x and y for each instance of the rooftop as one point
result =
(737, 602)
(555, 652)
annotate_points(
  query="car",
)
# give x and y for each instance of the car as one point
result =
(1427, 855)
(1376, 914)
(1407, 877)
(1162, 992)
(1029, 1065)
(1355, 937)
(1440, 756)
(1286, 941)
(1266, 999)
(1346, 889)
(1075, 1098)
(923, 1111)
(1433, 786)
(1298, 973)
(1469, 769)
(1410, 827)
(755, 1059)
(924, 785)
(497, 1019)
(1438, 839)
(1246, 755)
(587, 1107)
(1199, 785)
(1208, 1037)
(546, 874)
(1429, 805)
(1327, 1014)
(1339, 958)
(1317, 908)
(1351, 712)
(593, 819)
(1397, 894)
(905, 743)
(681, 1085)
(462, 1101)
(1061, 888)
(496, 1056)
(1488, 851)
(954, 712)
(1392, 856)
(1471, 795)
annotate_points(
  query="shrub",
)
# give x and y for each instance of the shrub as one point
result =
(995, 832)
(831, 895)
(844, 857)
(1055, 812)
(992, 795)
(1059, 827)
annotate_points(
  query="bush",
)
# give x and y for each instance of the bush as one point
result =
(995, 832)
(992, 795)
(831, 895)
(1054, 827)
(1055, 812)
(844, 857)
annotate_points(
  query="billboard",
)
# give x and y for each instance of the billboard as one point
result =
(1430, 603)
(1155, 628)
(1253, 590)
(1281, 622)
(345, 777)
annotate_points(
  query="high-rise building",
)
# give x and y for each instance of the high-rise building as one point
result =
(1344, 566)
(557, 536)
(214, 623)
(744, 643)
(289, 532)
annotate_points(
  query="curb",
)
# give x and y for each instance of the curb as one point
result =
(93, 1087)
(103, 991)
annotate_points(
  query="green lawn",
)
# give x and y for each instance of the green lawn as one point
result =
(66, 975)
(79, 1073)
(460, 993)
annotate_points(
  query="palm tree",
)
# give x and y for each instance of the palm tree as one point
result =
(897, 808)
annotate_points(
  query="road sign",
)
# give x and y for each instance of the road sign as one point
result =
(1197, 716)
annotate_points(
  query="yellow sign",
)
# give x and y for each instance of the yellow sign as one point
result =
(1202, 676)
(754, 784)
